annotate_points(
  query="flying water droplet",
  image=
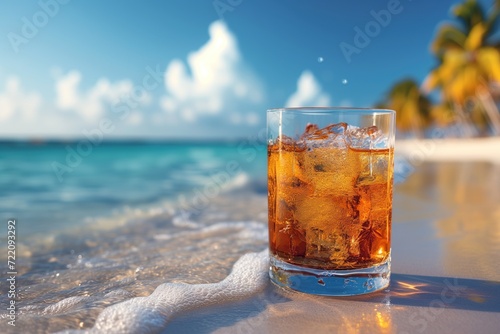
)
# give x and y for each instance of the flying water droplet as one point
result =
(344, 81)
(320, 59)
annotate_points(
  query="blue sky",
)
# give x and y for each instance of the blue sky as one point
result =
(199, 69)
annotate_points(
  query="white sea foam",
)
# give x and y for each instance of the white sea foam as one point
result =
(182, 220)
(240, 180)
(151, 314)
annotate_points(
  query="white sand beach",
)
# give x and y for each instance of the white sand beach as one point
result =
(476, 149)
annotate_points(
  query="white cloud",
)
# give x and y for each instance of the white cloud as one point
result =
(13, 100)
(309, 93)
(135, 118)
(213, 86)
(251, 118)
(215, 83)
(93, 103)
(72, 109)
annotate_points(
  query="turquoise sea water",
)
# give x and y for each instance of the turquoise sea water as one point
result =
(50, 187)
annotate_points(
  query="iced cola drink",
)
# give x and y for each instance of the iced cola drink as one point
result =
(330, 198)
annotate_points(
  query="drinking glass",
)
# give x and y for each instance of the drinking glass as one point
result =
(330, 177)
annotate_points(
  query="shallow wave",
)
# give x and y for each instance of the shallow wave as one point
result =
(151, 314)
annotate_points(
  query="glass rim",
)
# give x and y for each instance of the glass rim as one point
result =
(331, 110)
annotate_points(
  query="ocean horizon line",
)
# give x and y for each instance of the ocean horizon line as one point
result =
(122, 141)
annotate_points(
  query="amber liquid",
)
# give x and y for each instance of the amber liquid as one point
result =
(329, 208)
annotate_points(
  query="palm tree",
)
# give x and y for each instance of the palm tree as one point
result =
(442, 114)
(411, 105)
(469, 65)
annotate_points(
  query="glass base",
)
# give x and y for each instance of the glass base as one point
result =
(330, 282)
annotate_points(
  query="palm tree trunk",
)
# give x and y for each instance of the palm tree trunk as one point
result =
(491, 111)
(463, 121)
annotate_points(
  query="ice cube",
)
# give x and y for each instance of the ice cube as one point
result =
(374, 167)
(366, 138)
(325, 246)
(310, 130)
(331, 170)
(284, 140)
(315, 244)
(290, 238)
(323, 212)
(360, 137)
(372, 242)
(332, 135)
(313, 132)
